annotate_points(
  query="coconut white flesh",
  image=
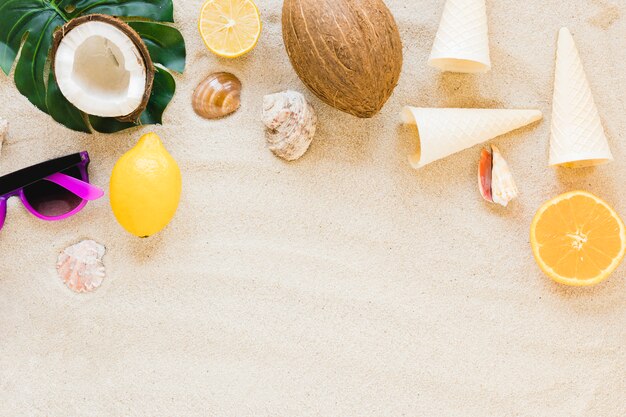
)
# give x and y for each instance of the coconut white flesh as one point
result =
(100, 70)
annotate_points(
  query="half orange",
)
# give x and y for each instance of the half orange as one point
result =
(578, 239)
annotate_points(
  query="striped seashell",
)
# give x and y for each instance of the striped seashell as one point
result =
(219, 95)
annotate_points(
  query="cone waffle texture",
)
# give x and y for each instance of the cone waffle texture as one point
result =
(577, 137)
(462, 41)
(443, 132)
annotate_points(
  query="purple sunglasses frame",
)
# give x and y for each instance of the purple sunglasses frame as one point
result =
(59, 180)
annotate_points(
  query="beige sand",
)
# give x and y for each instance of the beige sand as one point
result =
(345, 284)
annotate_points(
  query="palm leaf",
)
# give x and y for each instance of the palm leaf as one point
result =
(27, 28)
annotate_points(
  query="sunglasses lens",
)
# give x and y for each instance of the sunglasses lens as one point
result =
(50, 199)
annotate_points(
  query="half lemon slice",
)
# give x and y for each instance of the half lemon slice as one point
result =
(230, 28)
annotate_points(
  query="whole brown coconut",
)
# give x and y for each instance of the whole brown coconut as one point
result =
(348, 52)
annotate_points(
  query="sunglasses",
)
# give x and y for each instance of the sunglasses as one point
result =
(52, 190)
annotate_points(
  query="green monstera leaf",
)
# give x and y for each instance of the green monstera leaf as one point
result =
(28, 25)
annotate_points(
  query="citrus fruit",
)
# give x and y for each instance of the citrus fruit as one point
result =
(230, 28)
(145, 187)
(578, 239)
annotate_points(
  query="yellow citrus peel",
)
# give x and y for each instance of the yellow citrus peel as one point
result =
(145, 187)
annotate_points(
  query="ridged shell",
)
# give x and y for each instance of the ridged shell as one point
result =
(217, 96)
(291, 122)
(80, 266)
(503, 187)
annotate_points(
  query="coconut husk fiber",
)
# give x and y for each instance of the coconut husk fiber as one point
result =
(348, 52)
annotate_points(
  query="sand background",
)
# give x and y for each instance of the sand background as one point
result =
(343, 284)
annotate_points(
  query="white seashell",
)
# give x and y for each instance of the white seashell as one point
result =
(80, 266)
(503, 187)
(291, 123)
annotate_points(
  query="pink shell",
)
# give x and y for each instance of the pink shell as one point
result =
(80, 266)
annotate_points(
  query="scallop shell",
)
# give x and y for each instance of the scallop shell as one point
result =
(80, 266)
(217, 96)
(291, 122)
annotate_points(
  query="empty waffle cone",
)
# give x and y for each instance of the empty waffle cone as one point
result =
(443, 132)
(462, 41)
(577, 138)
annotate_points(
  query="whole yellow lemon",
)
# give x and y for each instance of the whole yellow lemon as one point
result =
(145, 187)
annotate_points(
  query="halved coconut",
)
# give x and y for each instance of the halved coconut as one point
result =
(103, 67)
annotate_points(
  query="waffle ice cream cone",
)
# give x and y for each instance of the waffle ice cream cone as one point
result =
(577, 138)
(443, 132)
(462, 41)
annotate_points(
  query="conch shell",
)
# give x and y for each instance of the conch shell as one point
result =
(80, 266)
(291, 122)
(495, 180)
(219, 95)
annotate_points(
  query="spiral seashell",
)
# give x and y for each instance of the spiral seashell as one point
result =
(80, 266)
(495, 180)
(217, 96)
(503, 187)
(291, 122)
